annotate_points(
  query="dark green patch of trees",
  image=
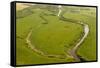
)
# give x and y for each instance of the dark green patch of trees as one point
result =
(23, 13)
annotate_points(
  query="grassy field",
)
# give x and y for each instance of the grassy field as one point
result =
(53, 35)
(88, 48)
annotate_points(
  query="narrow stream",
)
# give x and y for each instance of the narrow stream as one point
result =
(59, 7)
(73, 51)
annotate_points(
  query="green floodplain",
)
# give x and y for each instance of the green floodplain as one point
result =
(43, 37)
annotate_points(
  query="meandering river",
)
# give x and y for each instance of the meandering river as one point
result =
(73, 51)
